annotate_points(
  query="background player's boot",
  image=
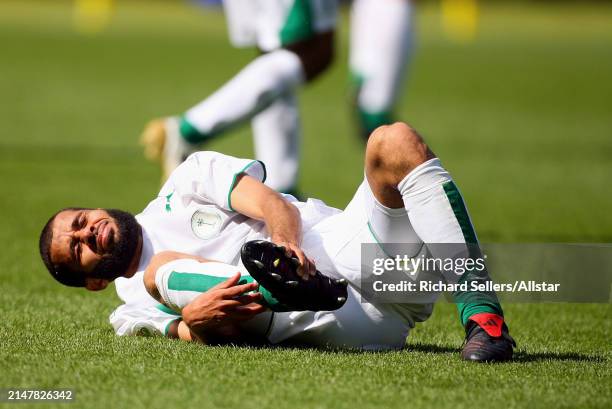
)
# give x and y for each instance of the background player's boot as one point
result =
(163, 143)
(487, 339)
(269, 266)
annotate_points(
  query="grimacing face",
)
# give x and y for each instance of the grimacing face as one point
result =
(98, 243)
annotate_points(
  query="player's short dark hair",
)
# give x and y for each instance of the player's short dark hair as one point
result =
(59, 272)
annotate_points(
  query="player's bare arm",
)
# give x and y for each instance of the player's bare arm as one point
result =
(257, 201)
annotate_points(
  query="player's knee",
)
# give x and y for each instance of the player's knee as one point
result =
(396, 149)
(315, 53)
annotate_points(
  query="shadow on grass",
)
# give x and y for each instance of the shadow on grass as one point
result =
(524, 356)
(432, 349)
(519, 356)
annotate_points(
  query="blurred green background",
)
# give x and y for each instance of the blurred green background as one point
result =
(521, 116)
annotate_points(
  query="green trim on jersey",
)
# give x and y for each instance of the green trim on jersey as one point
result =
(182, 281)
(469, 302)
(233, 184)
(168, 197)
(299, 24)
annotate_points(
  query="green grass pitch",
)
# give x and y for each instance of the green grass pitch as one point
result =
(521, 117)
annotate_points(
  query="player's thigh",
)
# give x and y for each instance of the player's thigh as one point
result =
(366, 222)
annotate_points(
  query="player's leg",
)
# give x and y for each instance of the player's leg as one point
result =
(276, 137)
(179, 281)
(381, 40)
(402, 171)
(176, 279)
(252, 90)
(305, 27)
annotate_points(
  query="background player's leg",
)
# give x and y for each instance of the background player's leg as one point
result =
(298, 38)
(276, 134)
(252, 90)
(381, 39)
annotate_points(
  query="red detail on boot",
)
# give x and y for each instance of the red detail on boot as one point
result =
(491, 323)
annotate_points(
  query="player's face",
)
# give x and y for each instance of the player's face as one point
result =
(96, 242)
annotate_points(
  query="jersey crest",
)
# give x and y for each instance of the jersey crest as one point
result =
(206, 223)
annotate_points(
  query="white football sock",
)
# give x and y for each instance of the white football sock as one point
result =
(438, 215)
(437, 212)
(252, 90)
(276, 133)
(180, 281)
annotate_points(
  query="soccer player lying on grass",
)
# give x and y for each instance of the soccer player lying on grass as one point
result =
(213, 204)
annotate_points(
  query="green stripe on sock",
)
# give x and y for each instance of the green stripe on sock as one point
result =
(356, 79)
(456, 202)
(466, 310)
(190, 133)
(470, 302)
(180, 281)
(298, 26)
(369, 121)
(193, 282)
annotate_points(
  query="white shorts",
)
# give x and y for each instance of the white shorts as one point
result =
(335, 245)
(272, 24)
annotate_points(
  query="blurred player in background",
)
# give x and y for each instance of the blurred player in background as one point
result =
(296, 38)
(381, 41)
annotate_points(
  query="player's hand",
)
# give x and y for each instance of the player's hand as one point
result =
(223, 304)
(307, 267)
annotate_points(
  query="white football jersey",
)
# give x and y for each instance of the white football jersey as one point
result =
(192, 214)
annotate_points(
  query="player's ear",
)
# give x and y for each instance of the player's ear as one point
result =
(96, 284)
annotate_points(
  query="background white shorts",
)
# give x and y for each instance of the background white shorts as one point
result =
(272, 24)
